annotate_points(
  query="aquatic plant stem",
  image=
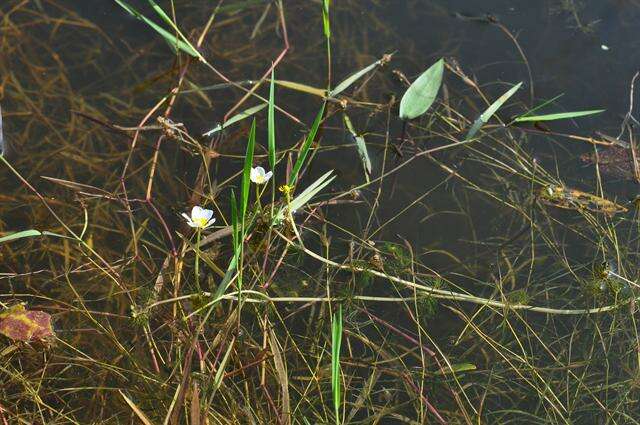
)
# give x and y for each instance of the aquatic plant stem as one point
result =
(197, 261)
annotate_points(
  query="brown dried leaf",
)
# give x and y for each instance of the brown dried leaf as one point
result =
(20, 324)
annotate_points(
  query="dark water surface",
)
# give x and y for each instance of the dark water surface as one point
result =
(89, 56)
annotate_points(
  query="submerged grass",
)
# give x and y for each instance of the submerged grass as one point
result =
(462, 280)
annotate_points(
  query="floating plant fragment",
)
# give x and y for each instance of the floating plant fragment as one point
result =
(572, 199)
(21, 324)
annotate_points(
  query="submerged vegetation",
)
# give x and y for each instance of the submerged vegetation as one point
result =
(223, 235)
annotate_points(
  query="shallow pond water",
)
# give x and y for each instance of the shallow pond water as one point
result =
(434, 252)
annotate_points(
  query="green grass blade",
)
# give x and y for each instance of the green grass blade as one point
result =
(246, 179)
(558, 116)
(234, 220)
(170, 38)
(542, 105)
(336, 342)
(422, 93)
(486, 115)
(271, 125)
(238, 117)
(326, 26)
(19, 235)
(306, 195)
(302, 155)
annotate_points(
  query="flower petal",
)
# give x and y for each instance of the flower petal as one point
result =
(207, 214)
(268, 175)
(253, 175)
(196, 212)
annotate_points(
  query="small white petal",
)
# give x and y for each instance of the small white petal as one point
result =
(186, 217)
(192, 224)
(207, 214)
(268, 175)
(196, 212)
(254, 176)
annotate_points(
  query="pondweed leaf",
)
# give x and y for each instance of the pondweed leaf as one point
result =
(25, 325)
(420, 95)
(559, 116)
(486, 115)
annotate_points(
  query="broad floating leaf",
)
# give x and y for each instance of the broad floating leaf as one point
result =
(238, 117)
(486, 115)
(559, 116)
(421, 94)
(20, 324)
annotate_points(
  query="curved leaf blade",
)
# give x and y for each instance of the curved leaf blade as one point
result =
(488, 113)
(19, 235)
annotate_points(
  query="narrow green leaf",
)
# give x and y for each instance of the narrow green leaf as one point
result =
(271, 124)
(19, 235)
(304, 88)
(422, 93)
(559, 116)
(234, 220)
(306, 195)
(237, 117)
(325, 19)
(170, 38)
(488, 113)
(360, 145)
(347, 82)
(246, 179)
(302, 155)
(542, 105)
(336, 343)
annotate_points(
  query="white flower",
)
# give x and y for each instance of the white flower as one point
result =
(200, 218)
(259, 176)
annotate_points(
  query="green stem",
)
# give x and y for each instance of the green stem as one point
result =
(197, 266)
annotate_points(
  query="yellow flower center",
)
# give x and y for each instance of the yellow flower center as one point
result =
(200, 221)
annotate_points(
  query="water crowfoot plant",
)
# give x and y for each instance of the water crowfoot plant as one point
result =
(200, 218)
(259, 176)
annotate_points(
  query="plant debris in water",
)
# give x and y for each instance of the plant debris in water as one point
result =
(315, 277)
